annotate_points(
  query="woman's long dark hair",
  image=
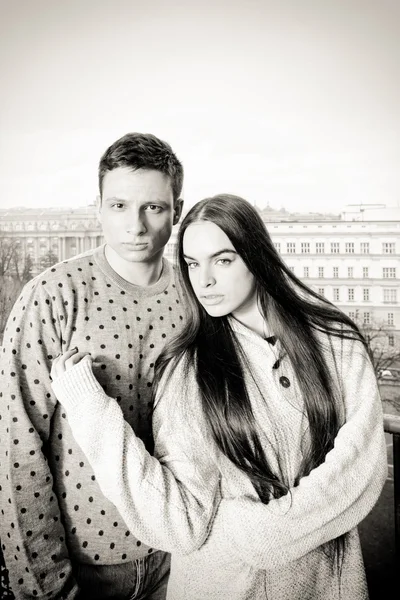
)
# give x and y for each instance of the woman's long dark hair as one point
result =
(295, 314)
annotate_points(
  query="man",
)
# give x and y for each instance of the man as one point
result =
(60, 536)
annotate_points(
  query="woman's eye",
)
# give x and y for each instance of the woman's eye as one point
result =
(192, 265)
(224, 261)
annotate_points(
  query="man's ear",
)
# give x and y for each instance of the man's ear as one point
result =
(98, 205)
(178, 206)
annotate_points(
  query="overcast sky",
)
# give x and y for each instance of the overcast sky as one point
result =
(291, 104)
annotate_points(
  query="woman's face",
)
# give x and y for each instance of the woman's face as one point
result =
(219, 277)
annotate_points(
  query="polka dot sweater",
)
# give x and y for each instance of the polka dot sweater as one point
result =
(52, 508)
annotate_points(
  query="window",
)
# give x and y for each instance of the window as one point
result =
(367, 318)
(292, 269)
(391, 340)
(366, 294)
(349, 247)
(389, 272)
(390, 319)
(306, 272)
(336, 294)
(335, 272)
(388, 248)
(350, 272)
(320, 271)
(321, 291)
(352, 315)
(350, 294)
(390, 296)
(364, 247)
(291, 247)
(320, 247)
(305, 248)
(277, 246)
(365, 272)
(335, 247)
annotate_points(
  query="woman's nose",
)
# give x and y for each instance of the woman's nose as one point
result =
(206, 279)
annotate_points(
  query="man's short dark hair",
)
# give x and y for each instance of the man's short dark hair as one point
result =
(143, 151)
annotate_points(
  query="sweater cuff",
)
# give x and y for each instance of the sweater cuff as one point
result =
(78, 385)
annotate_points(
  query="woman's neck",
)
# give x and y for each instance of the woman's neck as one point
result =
(252, 318)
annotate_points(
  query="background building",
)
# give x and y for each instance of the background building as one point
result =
(62, 232)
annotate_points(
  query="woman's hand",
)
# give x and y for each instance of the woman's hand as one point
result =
(66, 361)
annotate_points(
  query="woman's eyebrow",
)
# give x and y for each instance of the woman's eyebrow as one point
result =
(215, 253)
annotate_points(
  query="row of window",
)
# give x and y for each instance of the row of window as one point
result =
(46, 225)
(366, 318)
(387, 272)
(389, 296)
(44, 241)
(335, 247)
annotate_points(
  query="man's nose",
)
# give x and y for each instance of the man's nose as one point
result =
(135, 223)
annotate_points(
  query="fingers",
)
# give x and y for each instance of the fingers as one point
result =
(66, 361)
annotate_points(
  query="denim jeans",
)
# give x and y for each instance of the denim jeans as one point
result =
(142, 579)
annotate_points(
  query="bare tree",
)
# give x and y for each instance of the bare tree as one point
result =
(15, 272)
(10, 288)
(8, 251)
(48, 260)
(383, 346)
(22, 266)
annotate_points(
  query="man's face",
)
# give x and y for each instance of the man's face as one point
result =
(137, 213)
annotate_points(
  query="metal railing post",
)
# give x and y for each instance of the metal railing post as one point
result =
(392, 426)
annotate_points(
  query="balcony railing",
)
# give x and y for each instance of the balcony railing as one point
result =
(392, 426)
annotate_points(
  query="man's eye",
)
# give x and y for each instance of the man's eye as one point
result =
(153, 208)
(117, 205)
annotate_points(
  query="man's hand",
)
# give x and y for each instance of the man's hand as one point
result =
(66, 361)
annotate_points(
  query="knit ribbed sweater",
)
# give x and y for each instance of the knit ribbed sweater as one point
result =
(191, 500)
(52, 508)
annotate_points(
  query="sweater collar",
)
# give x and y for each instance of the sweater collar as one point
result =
(249, 333)
(135, 290)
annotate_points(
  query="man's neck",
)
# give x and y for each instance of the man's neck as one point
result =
(142, 274)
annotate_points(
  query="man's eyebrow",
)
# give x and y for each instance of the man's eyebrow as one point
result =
(114, 199)
(215, 253)
(155, 201)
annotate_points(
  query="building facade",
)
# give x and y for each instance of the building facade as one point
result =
(61, 232)
(353, 264)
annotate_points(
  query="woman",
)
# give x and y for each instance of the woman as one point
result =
(269, 444)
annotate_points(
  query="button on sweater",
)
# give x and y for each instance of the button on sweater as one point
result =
(52, 508)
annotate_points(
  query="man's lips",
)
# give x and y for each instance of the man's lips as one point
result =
(135, 245)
